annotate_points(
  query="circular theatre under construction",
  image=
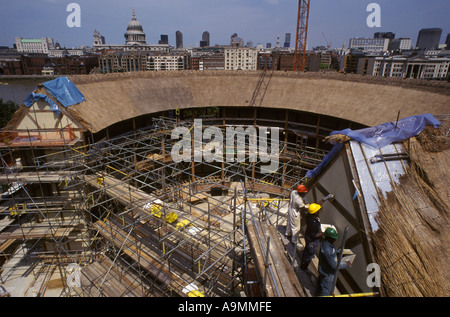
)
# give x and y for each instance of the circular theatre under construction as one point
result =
(178, 184)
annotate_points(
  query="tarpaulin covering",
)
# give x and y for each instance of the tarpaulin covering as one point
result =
(327, 159)
(380, 136)
(65, 91)
(62, 89)
(391, 132)
(31, 98)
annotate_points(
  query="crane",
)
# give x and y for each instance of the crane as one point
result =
(301, 36)
(328, 44)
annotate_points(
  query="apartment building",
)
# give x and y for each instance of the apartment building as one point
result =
(166, 62)
(241, 58)
(112, 62)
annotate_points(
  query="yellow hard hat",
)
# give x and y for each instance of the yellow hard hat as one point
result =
(313, 208)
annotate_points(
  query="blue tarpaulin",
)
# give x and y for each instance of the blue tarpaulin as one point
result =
(31, 98)
(380, 136)
(391, 132)
(327, 159)
(65, 91)
(62, 89)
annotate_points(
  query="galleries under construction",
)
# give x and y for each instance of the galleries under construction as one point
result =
(94, 203)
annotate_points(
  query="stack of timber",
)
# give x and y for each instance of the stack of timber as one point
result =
(280, 277)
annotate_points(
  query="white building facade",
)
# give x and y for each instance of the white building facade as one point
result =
(37, 46)
(166, 62)
(241, 58)
(368, 45)
(417, 67)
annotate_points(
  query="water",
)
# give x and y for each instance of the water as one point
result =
(18, 89)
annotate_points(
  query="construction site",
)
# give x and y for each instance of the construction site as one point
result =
(95, 205)
(94, 202)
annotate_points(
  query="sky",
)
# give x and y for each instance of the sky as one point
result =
(261, 21)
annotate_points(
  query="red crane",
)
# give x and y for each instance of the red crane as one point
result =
(301, 37)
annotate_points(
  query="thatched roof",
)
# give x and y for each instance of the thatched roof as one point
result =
(111, 98)
(412, 242)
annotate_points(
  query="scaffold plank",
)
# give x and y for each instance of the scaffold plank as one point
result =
(33, 177)
(35, 233)
(281, 281)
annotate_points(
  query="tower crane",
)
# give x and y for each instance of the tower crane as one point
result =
(301, 36)
(328, 44)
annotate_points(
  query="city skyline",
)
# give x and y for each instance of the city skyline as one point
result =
(259, 21)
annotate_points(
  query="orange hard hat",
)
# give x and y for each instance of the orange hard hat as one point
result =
(302, 189)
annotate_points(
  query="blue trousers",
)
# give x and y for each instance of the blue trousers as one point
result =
(309, 252)
(324, 284)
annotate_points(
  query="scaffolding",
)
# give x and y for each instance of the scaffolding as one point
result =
(119, 217)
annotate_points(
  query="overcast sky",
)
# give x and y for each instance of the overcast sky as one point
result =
(257, 20)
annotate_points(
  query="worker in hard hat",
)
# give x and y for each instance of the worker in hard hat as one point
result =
(328, 262)
(296, 204)
(312, 235)
(313, 232)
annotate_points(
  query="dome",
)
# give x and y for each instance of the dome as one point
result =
(135, 34)
(134, 26)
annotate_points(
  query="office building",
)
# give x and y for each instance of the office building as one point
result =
(429, 38)
(400, 44)
(164, 39)
(36, 46)
(236, 41)
(367, 45)
(179, 39)
(418, 67)
(287, 40)
(384, 35)
(205, 38)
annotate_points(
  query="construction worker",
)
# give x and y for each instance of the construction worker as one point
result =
(296, 203)
(328, 263)
(313, 232)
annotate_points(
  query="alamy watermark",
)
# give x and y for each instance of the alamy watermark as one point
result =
(374, 18)
(74, 18)
(242, 144)
(374, 278)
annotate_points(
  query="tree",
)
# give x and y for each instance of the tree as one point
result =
(7, 110)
